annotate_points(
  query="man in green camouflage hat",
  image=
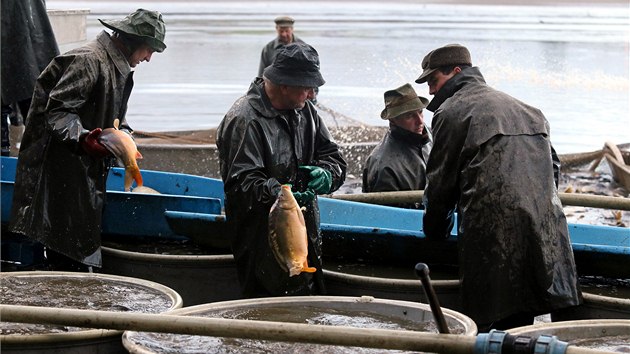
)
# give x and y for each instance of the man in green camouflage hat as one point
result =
(62, 167)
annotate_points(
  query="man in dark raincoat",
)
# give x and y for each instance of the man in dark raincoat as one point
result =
(493, 162)
(273, 136)
(28, 45)
(62, 169)
(284, 30)
(398, 162)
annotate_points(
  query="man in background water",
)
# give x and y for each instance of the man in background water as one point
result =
(284, 30)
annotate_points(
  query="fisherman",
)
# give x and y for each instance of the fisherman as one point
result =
(492, 162)
(273, 136)
(399, 161)
(62, 168)
(284, 30)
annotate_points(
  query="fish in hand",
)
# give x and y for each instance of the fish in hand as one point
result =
(287, 234)
(121, 145)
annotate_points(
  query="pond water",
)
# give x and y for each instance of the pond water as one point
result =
(570, 61)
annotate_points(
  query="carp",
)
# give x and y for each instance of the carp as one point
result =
(122, 146)
(287, 234)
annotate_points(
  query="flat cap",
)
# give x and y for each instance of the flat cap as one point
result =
(450, 54)
(284, 21)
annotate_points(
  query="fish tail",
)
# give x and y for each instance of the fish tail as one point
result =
(132, 173)
(302, 268)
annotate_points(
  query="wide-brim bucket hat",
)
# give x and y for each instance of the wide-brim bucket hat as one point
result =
(296, 64)
(146, 24)
(402, 100)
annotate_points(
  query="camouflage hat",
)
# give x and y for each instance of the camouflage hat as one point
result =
(402, 100)
(284, 21)
(145, 24)
(451, 54)
(296, 64)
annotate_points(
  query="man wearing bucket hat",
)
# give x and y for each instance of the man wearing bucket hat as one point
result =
(270, 137)
(492, 162)
(398, 162)
(62, 168)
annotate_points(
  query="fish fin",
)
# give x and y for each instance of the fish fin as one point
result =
(309, 269)
(116, 123)
(138, 155)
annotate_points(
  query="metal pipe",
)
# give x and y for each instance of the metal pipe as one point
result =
(422, 271)
(262, 330)
(250, 329)
(407, 197)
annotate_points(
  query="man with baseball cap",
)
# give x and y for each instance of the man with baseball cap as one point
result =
(284, 30)
(270, 137)
(492, 162)
(398, 162)
(62, 168)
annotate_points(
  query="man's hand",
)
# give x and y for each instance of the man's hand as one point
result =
(89, 143)
(320, 180)
(304, 198)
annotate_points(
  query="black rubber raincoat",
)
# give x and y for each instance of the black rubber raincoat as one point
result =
(492, 160)
(28, 45)
(261, 148)
(398, 162)
(59, 189)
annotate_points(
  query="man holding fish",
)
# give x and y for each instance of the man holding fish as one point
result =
(271, 137)
(63, 165)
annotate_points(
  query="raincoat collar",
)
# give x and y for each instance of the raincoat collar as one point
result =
(466, 76)
(260, 101)
(409, 137)
(121, 63)
(277, 44)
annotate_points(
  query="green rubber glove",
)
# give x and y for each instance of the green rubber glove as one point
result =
(320, 179)
(304, 198)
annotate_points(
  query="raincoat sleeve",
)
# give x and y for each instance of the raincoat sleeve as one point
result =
(70, 94)
(246, 177)
(441, 193)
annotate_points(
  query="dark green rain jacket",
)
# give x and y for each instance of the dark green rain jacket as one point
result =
(59, 189)
(398, 162)
(260, 149)
(492, 162)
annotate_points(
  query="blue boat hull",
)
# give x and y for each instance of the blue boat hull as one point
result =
(190, 206)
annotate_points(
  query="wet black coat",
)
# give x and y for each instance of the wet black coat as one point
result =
(59, 189)
(398, 162)
(492, 160)
(28, 45)
(261, 148)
